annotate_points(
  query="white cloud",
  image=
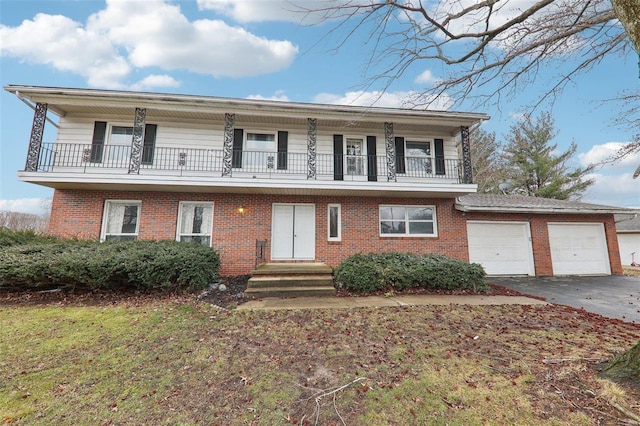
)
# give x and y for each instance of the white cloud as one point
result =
(151, 81)
(427, 77)
(399, 99)
(606, 151)
(614, 181)
(277, 96)
(37, 206)
(614, 190)
(150, 33)
(299, 11)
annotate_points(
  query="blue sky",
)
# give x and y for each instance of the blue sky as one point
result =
(255, 48)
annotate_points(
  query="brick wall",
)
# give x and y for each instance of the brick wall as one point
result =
(78, 213)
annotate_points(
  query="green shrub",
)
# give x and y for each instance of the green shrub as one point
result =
(94, 265)
(9, 237)
(367, 273)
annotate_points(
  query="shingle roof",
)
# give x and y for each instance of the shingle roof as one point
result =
(524, 204)
(625, 223)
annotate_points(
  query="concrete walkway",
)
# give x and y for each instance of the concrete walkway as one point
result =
(380, 301)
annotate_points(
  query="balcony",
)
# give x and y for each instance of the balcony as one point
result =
(107, 167)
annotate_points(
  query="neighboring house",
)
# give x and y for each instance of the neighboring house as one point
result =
(291, 182)
(628, 228)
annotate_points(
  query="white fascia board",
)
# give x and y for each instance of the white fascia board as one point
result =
(257, 185)
(246, 106)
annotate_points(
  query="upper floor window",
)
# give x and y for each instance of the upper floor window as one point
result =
(261, 148)
(418, 158)
(408, 221)
(195, 220)
(120, 220)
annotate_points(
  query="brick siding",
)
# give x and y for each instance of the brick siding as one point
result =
(78, 213)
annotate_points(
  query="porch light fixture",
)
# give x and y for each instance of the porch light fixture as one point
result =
(241, 210)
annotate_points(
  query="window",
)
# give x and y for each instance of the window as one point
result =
(334, 223)
(261, 148)
(418, 158)
(408, 220)
(121, 220)
(354, 157)
(119, 149)
(195, 222)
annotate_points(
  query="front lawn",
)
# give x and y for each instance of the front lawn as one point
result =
(172, 360)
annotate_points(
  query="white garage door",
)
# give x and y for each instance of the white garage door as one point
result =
(578, 249)
(502, 248)
(629, 243)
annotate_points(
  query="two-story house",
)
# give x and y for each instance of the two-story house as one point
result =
(279, 181)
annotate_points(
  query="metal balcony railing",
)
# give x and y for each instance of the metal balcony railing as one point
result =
(103, 158)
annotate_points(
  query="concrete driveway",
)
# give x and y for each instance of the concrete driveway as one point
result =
(610, 296)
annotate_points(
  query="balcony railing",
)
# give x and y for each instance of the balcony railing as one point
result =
(104, 158)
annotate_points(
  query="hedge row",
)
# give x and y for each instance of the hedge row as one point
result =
(10, 238)
(367, 273)
(93, 265)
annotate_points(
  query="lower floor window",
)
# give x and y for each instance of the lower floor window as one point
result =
(120, 220)
(408, 220)
(195, 222)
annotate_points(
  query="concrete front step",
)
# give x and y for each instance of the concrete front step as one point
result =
(306, 291)
(291, 269)
(290, 281)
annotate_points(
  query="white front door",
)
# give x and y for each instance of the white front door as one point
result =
(354, 159)
(293, 232)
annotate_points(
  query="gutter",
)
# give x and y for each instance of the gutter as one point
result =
(30, 105)
(471, 209)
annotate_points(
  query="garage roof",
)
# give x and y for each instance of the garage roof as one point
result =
(523, 204)
(628, 224)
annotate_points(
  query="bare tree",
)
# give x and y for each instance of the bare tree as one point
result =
(487, 161)
(17, 221)
(489, 49)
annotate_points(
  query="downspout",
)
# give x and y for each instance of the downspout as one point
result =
(30, 105)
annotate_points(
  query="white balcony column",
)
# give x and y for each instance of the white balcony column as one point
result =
(35, 141)
(227, 147)
(467, 171)
(312, 134)
(390, 148)
(136, 140)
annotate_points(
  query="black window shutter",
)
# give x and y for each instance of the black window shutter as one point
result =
(372, 165)
(236, 159)
(97, 143)
(283, 143)
(400, 155)
(439, 151)
(149, 143)
(338, 174)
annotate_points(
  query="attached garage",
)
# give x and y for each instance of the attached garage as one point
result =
(578, 249)
(520, 235)
(502, 248)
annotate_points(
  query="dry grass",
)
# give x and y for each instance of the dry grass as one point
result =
(176, 361)
(632, 271)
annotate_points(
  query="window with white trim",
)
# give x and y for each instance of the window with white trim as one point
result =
(121, 220)
(334, 222)
(415, 221)
(195, 221)
(418, 158)
(260, 149)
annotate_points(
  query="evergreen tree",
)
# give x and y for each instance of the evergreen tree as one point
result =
(536, 168)
(487, 164)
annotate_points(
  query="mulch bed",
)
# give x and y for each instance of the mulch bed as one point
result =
(231, 296)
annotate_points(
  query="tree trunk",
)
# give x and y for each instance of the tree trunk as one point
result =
(628, 12)
(625, 367)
